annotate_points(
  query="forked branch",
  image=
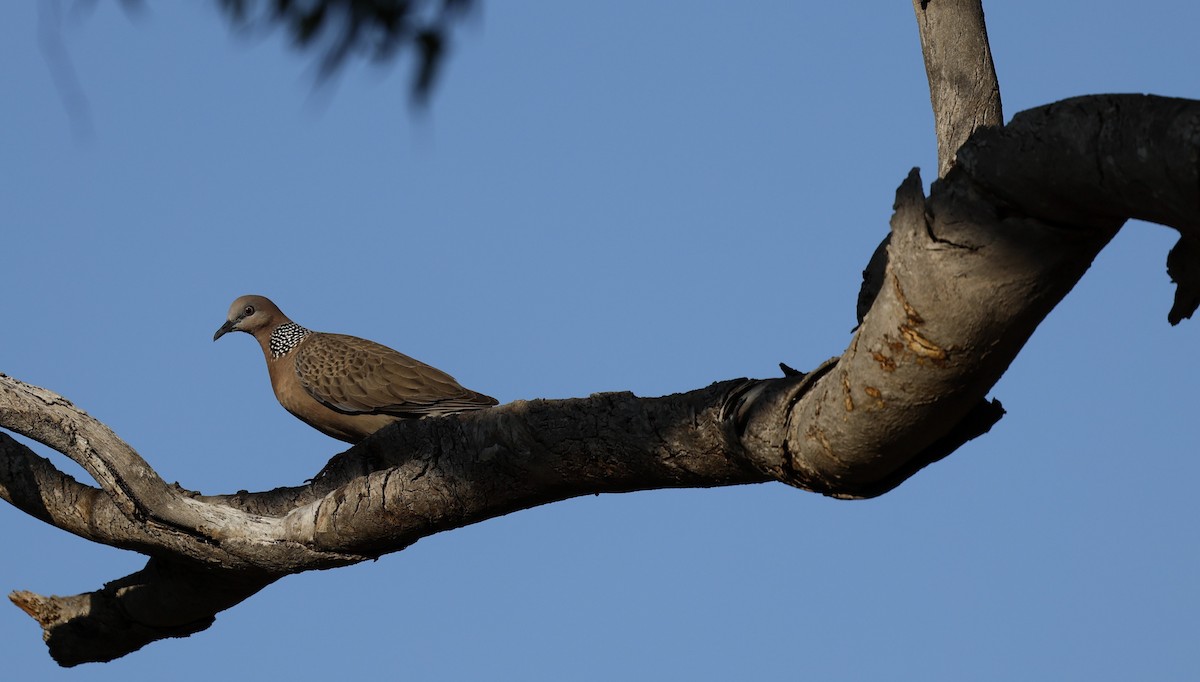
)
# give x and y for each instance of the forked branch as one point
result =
(973, 269)
(1014, 221)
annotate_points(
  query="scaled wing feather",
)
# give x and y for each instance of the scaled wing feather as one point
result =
(356, 376)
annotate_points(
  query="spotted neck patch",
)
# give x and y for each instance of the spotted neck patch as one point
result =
(284, 339)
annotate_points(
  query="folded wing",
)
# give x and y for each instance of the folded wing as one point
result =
(356, 376)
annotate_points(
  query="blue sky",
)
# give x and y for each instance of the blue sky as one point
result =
(602, 196)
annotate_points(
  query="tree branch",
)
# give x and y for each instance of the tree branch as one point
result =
(962, 78)
(381, 496)
(164, 599)
(962, 88)
(972, 270)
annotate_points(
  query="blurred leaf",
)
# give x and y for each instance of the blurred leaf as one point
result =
(379, 30)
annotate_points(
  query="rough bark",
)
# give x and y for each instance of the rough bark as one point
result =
(962, 78)
(963, 90)
(970, 272)
(405, 483)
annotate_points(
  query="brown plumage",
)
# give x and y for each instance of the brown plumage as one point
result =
(344, 386)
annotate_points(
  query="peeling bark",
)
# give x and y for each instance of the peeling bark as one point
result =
(970, 271)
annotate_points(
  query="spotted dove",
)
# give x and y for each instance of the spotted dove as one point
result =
(344, 386)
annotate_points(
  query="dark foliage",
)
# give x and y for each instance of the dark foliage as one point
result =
(378, 30)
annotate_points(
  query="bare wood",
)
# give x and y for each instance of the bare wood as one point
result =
(408, 482)
(962, 78)
(168, 520)
(972, 270)
(164, 599)
(963, 90)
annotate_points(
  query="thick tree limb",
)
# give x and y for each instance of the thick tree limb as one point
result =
(962, 88)
(972, 270)
(1122, 156)
(381, 496)
(165, 599)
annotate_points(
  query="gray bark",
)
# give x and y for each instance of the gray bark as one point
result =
(971, 270)
(963, 88)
